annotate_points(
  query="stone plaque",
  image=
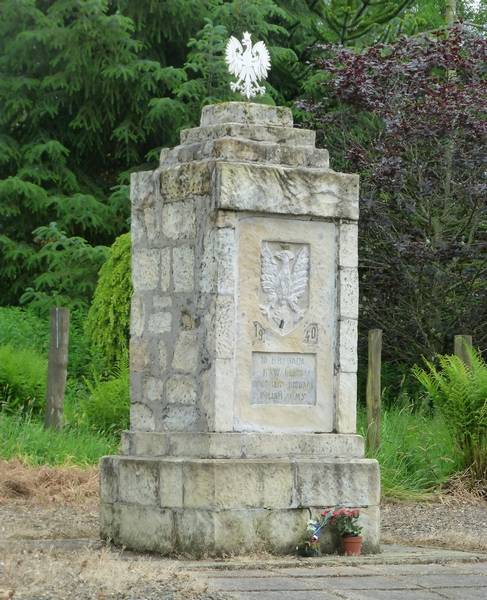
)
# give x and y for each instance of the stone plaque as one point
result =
(283, 378)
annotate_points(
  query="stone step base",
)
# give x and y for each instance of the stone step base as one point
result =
(242, 445)
(202, 533)
(219, 506)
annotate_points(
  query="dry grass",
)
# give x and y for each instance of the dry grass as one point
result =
(45, 485)
(101, 574)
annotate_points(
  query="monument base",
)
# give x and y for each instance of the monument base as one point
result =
(215, 496)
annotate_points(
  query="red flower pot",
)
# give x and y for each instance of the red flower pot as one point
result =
(352, 545)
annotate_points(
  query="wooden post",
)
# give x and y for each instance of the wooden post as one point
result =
(461, 347)
(57, 367)
(374, 389)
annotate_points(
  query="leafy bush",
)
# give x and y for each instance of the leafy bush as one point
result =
(107, 326)
(416, 454)
(459, 391)
(22, 328)
(22, 380)
(107, 407)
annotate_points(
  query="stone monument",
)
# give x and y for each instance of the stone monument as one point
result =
(243, 351)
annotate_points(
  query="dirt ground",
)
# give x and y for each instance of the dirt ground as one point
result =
(49, 547)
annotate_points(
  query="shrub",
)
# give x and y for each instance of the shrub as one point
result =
(459, 391)
(106, 409)
(23, 376)
(23, 328)
(108, 322)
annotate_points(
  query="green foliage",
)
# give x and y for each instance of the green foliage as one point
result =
(22, 380)
(106, 409)
(459, 392)
(22, 328)
(107, 325)
(28, 440)
(416, 454)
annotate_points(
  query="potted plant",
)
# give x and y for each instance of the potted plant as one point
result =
(346, 521)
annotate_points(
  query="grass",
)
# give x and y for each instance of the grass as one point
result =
(27, 440)
(416, 455)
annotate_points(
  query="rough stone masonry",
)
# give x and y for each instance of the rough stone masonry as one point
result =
(243, 352)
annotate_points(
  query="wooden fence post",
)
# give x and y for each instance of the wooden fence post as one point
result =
(57, 367)
(374, 388)
(461, 346)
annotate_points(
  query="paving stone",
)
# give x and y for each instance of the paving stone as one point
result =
(415, 594)
(283, 595)
(260, 583)
(463, 593)
(450, 580)
(372, 582)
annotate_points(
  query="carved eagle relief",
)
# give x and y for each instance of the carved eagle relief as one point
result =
(248, 63)
(284, 283)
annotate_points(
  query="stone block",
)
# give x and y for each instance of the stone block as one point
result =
(245, 445)
(178, 220)
(183, 269)
(346, 404)
(138, 482)
(180, 389)
(139, 354)
(284, 190)
(108, 479)
(246, 112)
(160, 322)
(337, 482)
(181, 417)
(186, 352)
(137, 315)
(145, 270)
(153, 390)
(146, 528)
(348, 293)
(165, 269)
(224, 327)
(348, 345)
(348, 255)
(171, 484)
(141, 417)
(258, 133)
(185, 181)
(226, 257)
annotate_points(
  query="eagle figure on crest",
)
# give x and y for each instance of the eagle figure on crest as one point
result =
(248, 63)
(284, 280)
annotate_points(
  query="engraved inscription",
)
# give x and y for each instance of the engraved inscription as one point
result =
(259, 331)
(284, 284)
(283, 378)
(311, 333)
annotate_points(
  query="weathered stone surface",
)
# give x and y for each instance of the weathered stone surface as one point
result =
(346, 405)
(245, 258)
(178, 220)
(186, 352)
(283, 190)
(183, 269)
(348, 256)
(160, 322)
(257, 501)
(348, 345)
(180, 389)
(246, 112)
(258, 133)
(244, 445)
(349, 293)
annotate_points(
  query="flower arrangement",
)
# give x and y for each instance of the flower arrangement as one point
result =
(344, 519)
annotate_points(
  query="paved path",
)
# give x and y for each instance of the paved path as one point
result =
(419, 575)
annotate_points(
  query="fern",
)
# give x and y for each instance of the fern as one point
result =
(459, 391)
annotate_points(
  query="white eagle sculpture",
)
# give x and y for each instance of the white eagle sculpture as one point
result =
(248, 65)
(284, 280)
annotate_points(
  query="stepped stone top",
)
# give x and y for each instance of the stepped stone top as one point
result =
(246, 113)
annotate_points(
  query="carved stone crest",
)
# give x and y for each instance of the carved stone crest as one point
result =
(284, 284)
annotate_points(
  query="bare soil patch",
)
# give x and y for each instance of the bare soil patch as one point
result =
(62, 504)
